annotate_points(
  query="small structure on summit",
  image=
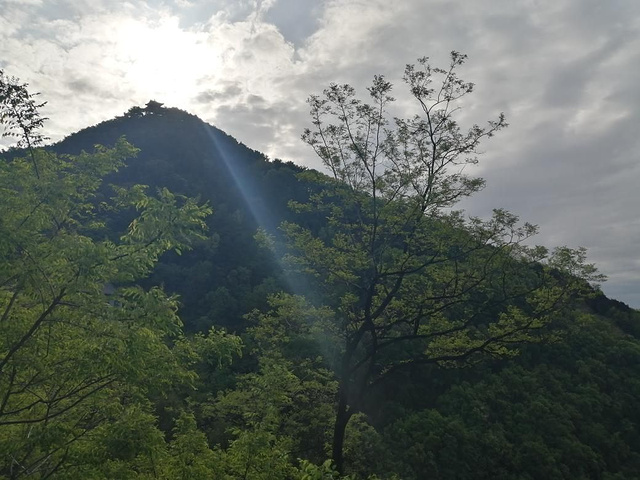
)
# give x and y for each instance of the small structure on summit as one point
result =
(152, 107)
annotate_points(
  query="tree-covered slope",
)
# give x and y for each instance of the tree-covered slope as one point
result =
(564, 408)
(227, 275)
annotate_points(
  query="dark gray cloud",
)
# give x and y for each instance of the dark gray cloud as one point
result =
(224, 92)
(295, 19)
(83, 85)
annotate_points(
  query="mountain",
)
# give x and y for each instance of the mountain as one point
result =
(564, 408)
(247, 190)
(181, 152)
(224, 278)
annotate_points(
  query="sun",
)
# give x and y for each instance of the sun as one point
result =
(164, 61)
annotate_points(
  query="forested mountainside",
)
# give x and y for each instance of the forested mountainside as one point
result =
(524, 370)
(229, 274)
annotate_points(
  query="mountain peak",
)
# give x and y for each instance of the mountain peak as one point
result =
(180, 151)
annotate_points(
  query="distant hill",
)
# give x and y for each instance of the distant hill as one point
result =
(225, 277)
(180, 151)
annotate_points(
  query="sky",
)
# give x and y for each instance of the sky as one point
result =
(564, 72)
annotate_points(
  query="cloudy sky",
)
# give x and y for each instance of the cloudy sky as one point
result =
(565, 72)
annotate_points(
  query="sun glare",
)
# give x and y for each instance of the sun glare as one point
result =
(163, 61)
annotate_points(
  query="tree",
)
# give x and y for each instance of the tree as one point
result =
(19, 115)
(82, 347)
(411, 281)
(134, 112)
(281, 411)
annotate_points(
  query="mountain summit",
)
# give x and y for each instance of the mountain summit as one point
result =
(181, 152)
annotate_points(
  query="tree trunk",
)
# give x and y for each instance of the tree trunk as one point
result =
(343, 416)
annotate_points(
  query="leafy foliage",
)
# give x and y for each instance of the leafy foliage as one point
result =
(83, 348)
(97, 379)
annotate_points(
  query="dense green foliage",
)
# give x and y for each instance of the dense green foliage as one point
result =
(367, 295)
(564, 410)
